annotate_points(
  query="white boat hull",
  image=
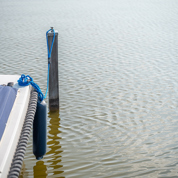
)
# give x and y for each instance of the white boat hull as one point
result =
(10, 137)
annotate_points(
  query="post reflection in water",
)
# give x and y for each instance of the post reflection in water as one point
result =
(42, 167)
(50, 164)
(54, 147)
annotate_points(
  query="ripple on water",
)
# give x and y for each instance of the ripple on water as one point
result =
(118, 85)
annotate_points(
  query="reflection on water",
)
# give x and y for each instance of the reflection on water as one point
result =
(40, 169)
(118, 68)
(23, 172)
(50, 165)
(54, 147)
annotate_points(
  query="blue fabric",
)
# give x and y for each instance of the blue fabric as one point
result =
(7, 98)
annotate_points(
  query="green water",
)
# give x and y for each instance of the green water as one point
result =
(118, 68)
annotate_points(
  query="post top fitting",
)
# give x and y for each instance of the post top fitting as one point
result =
(51, 29)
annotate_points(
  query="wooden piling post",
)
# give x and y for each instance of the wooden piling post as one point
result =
(53, 73)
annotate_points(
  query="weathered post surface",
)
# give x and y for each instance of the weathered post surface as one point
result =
(53, 73)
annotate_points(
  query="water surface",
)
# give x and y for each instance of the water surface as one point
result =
(118, 68)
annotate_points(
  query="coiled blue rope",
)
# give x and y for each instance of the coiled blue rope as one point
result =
(27, 80)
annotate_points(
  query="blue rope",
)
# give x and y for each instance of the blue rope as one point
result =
(49, 57)
(27, 80)
(47, 81)
(50, 51)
